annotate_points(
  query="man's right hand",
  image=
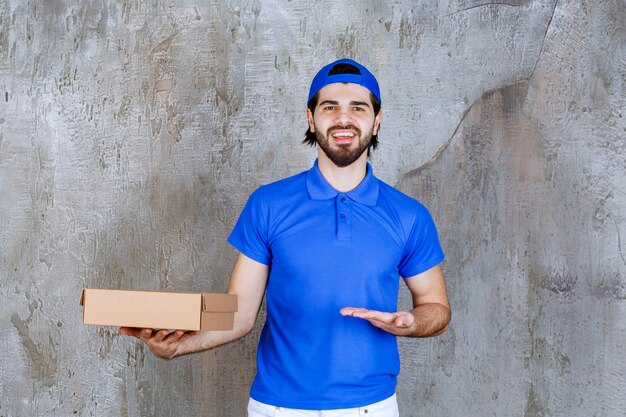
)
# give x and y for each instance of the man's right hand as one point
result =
(161, 342)
(248, 281)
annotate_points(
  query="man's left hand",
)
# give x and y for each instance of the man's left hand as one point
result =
(399, 323)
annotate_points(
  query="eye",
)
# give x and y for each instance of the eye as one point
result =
(357, 108)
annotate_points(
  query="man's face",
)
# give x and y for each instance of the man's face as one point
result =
(343, 122)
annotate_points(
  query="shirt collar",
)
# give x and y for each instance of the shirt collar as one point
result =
(365, 193)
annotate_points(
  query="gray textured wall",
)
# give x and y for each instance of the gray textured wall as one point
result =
(131, 133)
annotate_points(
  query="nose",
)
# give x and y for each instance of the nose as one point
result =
(344, 117)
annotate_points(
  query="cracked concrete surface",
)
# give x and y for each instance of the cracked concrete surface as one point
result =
(131, 134)
(556, 3)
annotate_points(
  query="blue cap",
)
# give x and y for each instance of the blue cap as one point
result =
(365, 79)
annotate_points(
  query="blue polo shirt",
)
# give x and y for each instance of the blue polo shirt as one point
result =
(328, 250)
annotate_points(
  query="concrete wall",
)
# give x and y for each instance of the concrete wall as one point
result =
(132, 132)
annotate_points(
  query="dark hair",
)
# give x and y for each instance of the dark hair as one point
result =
(309, 137)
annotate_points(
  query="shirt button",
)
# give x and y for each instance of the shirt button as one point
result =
(343, 199)
(343, 216)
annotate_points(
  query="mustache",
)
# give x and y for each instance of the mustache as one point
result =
(349, 126)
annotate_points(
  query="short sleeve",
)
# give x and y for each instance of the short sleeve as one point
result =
(249, 236)
(422, 249)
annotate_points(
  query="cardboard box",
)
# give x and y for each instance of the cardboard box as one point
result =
(159, 309)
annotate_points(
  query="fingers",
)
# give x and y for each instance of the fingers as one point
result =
(143, 334)
(182, 336)
(150, 336)
(349, 311)
(396, 323)
(132, 331)
(162, 343)
(173, 337)
(366, 314)
(155, 335)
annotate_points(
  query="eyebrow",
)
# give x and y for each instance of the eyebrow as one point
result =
(352, 103)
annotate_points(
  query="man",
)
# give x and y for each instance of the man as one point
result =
(327, 247)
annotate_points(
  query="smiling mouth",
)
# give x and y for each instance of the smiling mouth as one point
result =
(343, 135)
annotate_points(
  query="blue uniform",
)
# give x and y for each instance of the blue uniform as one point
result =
(328, 250)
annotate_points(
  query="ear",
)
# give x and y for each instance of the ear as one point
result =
(309, 117)
(377, 122)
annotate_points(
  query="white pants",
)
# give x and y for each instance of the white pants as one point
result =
(384, 408)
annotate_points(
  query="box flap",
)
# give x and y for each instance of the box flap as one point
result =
(217, 321)
(226, 303)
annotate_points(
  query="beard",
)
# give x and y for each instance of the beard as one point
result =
(343, 156)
